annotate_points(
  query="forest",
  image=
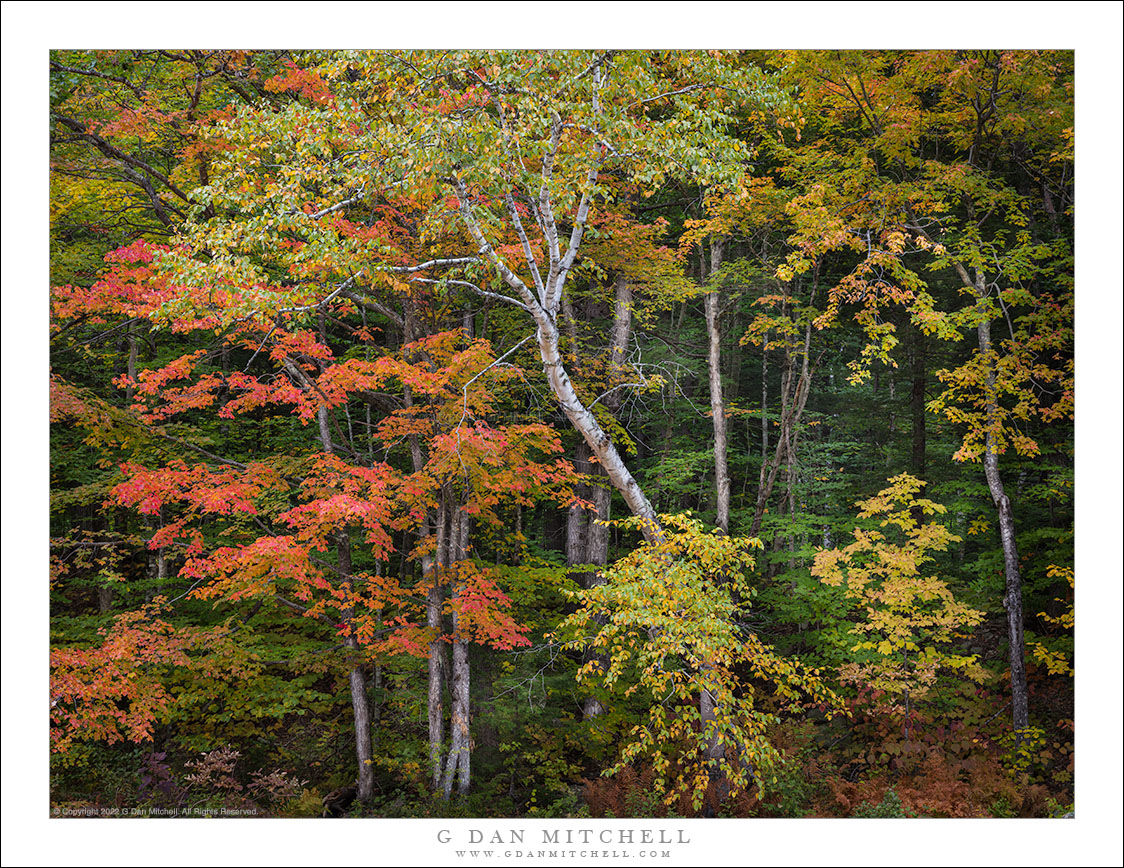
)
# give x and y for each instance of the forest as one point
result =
(562, 434)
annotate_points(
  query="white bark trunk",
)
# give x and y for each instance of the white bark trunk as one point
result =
(1013, 596)
(712, 301)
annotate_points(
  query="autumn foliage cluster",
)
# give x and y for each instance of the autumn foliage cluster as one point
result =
(569, 434)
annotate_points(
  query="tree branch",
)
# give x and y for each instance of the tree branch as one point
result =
(137, 91)
(530, 303)
(472, 286)
(110, 151)
(432, 263)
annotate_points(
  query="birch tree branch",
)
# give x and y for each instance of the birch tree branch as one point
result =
(530, 303)
(474, 288)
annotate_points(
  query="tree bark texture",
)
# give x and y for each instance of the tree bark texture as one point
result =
(542, 303)
(357, 680)
(715, 751)
(434, 601)
(1013, 596)
(712, 301)
(452, 548)
(1013, 591)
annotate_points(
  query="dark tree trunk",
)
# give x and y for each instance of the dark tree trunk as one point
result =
(794, 395)
(357, 680)
(595, 536)
(917, 412)
(577, 518)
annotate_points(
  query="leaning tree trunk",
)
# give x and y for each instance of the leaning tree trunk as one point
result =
(587, 541)
(1013, 596)
(542, 304)
(590, 429)
(597, 540)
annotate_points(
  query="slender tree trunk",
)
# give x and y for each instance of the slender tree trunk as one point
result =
(434, 601)
(357, 679)
(432, 563)
(917, 411)
(1013, 595)
(1013, 598)
(131, 371)
(590, 429)
(622, 329)
(794, 396)
(577, 518)
(712, 301)
(435, 668)
(596, 534)
(458, 762)
(434, 619)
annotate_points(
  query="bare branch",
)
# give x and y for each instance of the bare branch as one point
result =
(688, 89)
(478, 375)
(528, 253)
(339, 289)
(268, 335)
(559, 278)
(339, 206)
(296, 607)
(474, 288)
(376, 306)
(432, 263)
(198, 449)
(512, 279)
